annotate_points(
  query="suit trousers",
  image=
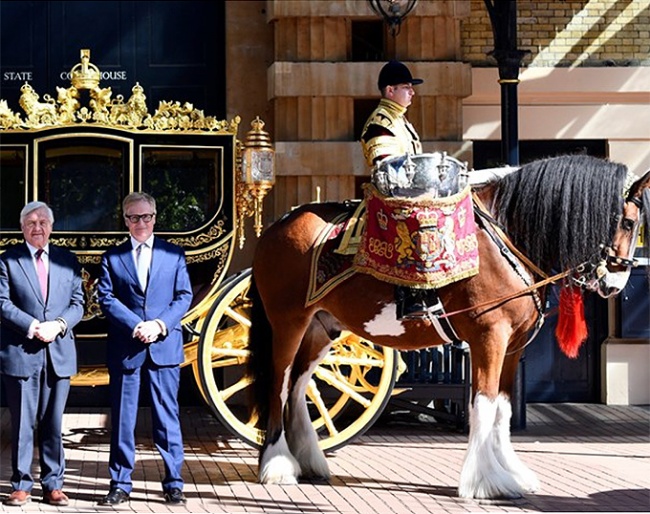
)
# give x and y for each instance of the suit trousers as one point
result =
(37, 401)
(163, 382)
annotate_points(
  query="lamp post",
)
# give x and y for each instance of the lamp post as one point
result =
(393, 12)
(503, 17)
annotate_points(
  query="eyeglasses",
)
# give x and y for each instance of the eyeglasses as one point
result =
(134, 218)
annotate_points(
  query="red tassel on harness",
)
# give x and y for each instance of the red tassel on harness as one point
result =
(571, 330)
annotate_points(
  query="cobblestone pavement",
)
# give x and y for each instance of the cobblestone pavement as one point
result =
(589, 458)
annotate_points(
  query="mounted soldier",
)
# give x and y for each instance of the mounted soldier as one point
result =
(389, 141)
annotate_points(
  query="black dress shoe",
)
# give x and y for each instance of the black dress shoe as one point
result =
(115, 497)
(175, 495)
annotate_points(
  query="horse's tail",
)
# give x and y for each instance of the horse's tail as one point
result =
(260, 359)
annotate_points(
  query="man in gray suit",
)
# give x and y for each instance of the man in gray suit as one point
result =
(41, 300)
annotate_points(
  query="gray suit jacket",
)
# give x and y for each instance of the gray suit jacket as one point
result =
(21, 302)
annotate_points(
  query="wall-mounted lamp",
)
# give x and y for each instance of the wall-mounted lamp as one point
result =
(393, 12)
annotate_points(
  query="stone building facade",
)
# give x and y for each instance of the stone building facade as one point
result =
(587, 77)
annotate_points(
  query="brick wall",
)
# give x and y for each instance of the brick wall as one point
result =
(561, 33)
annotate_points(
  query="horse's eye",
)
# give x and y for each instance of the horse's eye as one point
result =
(627, 224)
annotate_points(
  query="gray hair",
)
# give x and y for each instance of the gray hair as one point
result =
(136, 197)
(35, 206)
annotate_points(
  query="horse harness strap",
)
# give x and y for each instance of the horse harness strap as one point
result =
(485, 215)
(515, 258)
(438, 318)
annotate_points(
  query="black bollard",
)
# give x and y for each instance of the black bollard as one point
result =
(518, 398)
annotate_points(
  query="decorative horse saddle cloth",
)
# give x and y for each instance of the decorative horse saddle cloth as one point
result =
(423, 240)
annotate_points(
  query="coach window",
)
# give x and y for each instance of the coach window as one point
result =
(12, 185)
(83, 180)
(186, 183)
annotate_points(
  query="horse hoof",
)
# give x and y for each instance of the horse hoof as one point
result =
(279, 480)
(316, 477)
(280, 470)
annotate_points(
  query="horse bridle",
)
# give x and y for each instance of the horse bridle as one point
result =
(596, 267)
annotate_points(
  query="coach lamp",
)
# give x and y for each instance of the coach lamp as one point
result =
(256, 177)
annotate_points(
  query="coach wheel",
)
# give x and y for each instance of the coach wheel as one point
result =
(348, 391)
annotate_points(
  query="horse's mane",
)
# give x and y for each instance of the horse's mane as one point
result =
(560, 209)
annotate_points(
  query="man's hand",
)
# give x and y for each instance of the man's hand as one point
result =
(47, 331)
(147, 331)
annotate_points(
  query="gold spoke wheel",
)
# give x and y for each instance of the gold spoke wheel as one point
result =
(348, 391)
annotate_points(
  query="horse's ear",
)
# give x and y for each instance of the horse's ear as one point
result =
(639, 186)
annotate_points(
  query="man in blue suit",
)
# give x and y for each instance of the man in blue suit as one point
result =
(144, 292)
(41, 300)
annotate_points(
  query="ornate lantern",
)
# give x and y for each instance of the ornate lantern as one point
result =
(256, 177)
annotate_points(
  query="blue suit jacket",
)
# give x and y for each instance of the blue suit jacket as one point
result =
(168, 297)
(21, 302)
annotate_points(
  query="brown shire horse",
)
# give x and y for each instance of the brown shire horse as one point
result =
(563, 213)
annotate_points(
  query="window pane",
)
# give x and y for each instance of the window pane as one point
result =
(83, 183)
(185, 183)
(368, 41)
(12, 186)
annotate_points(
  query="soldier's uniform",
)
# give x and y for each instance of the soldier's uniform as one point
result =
(388, 133)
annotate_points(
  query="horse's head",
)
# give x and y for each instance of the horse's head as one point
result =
(609, 275)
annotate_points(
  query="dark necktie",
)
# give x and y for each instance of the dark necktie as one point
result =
(41, 272)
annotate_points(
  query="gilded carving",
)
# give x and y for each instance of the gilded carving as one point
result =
(100, 99)
(221, 253)
(215, 232)
(67, 99)
(10, 242)
(89, 259)
(105, 242)
(92, 308)
(8, 118)
(104, 110)
(38, 113)
(133, 112)
(69, 242)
